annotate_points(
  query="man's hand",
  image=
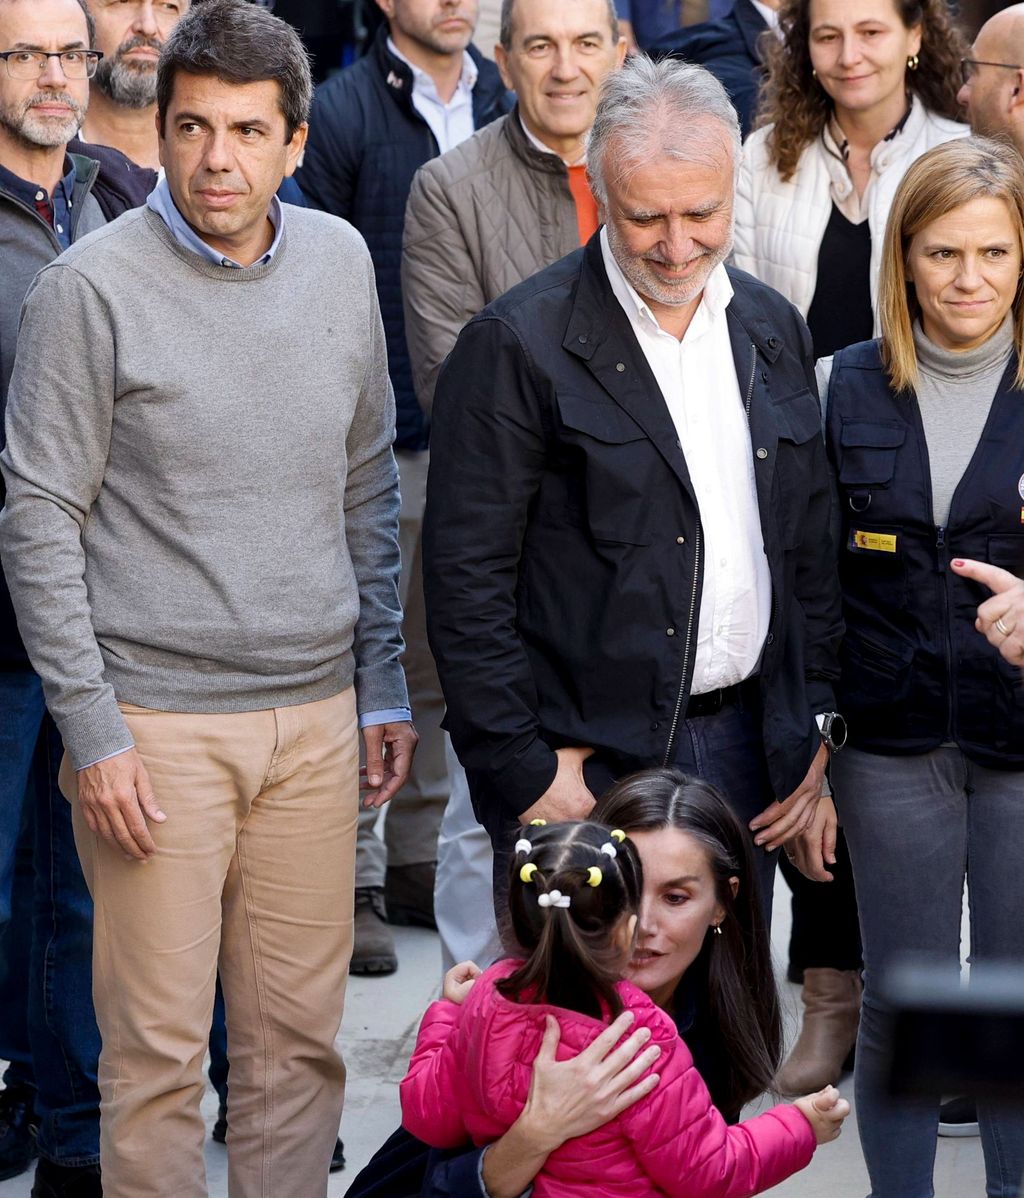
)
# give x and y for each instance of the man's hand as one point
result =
(567, 798)
(783, 821)
(389, 750)
(1001, 618)
(117, 799)
(815, 848)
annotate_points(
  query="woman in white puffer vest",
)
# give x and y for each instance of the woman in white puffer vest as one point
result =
(855, 91)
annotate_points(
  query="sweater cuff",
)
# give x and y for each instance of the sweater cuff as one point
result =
(97, 732)
(381, 687)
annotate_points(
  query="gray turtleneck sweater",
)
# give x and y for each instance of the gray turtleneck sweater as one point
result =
(202, 502)
(955, 393)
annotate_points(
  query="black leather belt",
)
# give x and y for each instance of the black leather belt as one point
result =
(712, 702)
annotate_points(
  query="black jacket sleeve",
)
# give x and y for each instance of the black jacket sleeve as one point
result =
(488, 450)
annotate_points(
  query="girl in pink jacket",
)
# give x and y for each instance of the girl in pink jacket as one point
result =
(573, 900)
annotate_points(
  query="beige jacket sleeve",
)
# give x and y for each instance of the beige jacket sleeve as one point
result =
(441, 288)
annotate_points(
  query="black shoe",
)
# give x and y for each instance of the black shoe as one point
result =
(18, 1129)
(409, 895)
(66, 1181)
(958, 1117)
(337, 1157)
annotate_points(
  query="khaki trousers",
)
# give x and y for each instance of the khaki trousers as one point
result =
(254, 875)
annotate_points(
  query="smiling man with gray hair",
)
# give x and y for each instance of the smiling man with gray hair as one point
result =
(628, 559)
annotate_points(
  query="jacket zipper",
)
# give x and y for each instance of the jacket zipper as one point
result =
(697, 548)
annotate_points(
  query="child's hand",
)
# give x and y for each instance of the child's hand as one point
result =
(825, 1112)
(458, 981)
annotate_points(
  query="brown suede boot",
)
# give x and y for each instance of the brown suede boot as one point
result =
(831, 1000)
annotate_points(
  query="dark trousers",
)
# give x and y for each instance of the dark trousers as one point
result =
(724, 749)
(47, 1027)
(825, 932)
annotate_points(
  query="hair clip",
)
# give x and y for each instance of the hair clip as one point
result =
(594, 876)
(609, 850)
(538, 823)
(527, 872)
(618, 834)
(523, 846)
(553, 898)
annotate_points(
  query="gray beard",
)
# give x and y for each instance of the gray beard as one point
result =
(125, 85)
(34, 133)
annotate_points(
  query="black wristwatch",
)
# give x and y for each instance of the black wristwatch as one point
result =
(832, 727)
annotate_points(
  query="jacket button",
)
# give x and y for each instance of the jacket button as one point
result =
(773, 342)
(620, 366)
(680, 540)
(655, 725)
(670, 632)
(583, 339)
(770, 638)
(762, 454)
(764, 376)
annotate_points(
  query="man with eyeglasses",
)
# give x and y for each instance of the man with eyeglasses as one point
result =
(993, 90)
(50, 1102)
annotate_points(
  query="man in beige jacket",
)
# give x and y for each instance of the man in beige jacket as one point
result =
(507, 202)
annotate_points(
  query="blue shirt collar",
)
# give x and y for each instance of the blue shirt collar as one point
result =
(162, 203)
(62, 200)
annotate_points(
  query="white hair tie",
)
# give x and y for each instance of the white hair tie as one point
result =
(609, 849)
(553, 898)
(523, 846)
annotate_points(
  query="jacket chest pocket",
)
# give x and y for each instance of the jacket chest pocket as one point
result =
(867, 459)
(798, 421)
(614, 458)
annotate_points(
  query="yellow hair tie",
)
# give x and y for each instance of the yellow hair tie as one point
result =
(527, 872)
(538, 823)
(618, 834)
(594, 876)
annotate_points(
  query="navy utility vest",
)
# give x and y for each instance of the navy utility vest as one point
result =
(915, 671)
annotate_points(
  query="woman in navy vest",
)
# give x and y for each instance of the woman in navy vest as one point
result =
(925, 432)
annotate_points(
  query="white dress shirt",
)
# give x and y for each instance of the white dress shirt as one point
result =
(450, 123)
(697, 379)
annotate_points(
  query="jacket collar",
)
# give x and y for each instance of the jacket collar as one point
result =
(750, 25)
(523, 148)
(487, 91)
(86, 170)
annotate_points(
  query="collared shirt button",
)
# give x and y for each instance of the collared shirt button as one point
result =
(40, 195)
(60, 228)
(680, 540)
(670, 632)
(762, 454)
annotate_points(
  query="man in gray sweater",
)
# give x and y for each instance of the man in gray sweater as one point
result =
(200, 539)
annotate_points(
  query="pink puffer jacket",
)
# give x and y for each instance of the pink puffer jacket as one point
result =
(470, 1074)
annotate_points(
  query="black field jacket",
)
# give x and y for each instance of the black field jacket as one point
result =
(563, 543)
(915, 671)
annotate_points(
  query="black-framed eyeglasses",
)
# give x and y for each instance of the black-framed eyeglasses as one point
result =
(968, 67)
(30, 64)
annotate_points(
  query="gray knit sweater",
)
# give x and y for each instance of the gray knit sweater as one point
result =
(202, 501)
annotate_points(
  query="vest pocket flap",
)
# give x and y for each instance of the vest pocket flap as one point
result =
(1007, 552)
(605, 422)
(869, 452)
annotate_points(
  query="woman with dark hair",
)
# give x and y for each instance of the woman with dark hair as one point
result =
(855, 90)
(716, 985)
(925, 432)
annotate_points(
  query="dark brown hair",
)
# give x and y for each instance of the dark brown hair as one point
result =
(733, 971)
(572, 958)
(797, 107)
(238, 42)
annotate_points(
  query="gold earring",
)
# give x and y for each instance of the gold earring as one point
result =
(912, 62)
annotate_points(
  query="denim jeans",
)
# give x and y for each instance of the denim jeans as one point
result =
(46, 1007)
(916, 826)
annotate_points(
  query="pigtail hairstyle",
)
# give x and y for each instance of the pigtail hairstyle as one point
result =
(733, 970)
(572, 960)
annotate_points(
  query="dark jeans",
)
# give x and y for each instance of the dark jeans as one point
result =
(47, 1025)
(825, 932)
(917, 826)
(724, 749)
